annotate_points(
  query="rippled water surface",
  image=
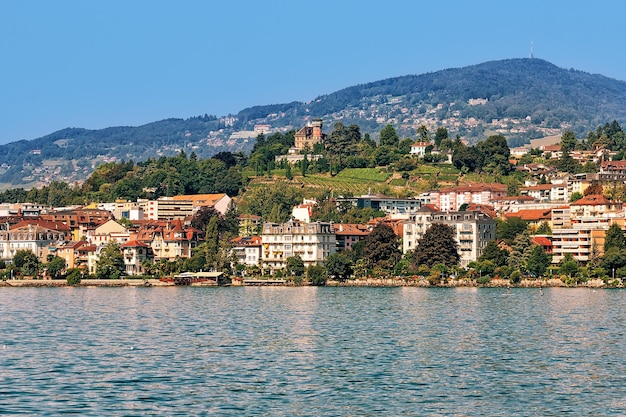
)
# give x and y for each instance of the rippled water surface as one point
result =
(312, 352)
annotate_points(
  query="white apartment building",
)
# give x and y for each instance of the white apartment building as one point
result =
(313, 242)
(474, 229)
(452, 198)
(580, 229)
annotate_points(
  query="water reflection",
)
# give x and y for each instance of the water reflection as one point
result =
(312, 351)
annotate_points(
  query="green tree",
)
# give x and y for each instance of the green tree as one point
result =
(575, 196)
(73, 276)
(316, 275)
(110, 264)
(521, 249)
(491, 252)
(27, 262)
(614, 238)
(288, 173)
(544, 229)
(294, 266)
(538, 261)
(381, 246)
(437, 246)
(339, 266)
(511, 227)
(388, 136)
(568, 266)
(55, 267)
(568, 141)
(441, 134)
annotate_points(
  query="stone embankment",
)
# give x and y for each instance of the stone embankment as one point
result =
(86, 283)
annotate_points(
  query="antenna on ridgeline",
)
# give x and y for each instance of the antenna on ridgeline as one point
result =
(531, 50)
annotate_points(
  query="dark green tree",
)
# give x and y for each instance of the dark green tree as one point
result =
(491, 252)
(73, 276)
(389, 136)
(440, 134)
(26, 261)
(381, 246)
(55, 267)
(339, 266)
(294, 266)
(614, 238)
(110, 264)
(437, 246)
(316, 275)
(511, 227)
(288, 173)
(521, 249)
(568, 141)
(538, 261)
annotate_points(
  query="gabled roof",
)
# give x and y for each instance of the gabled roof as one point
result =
(135, 244)
(247, 241)
(532, 215)
(45, 224)
(593, 200)
(352, 229)
(541, 240)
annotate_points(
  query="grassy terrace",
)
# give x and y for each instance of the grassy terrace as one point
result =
(358, 181)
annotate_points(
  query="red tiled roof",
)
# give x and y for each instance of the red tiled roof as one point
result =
(351, 229)
(541, 240)
(532, 215)
(593, 200)
(538, 187)
(135, 244)
(59, 226)
(475, 188)
(514, 198)
(247, 241)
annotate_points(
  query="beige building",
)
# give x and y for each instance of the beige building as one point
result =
(309, 135)
(135, 253)
(580, 229)
(34, 235)
(313, 242)
(474, 229)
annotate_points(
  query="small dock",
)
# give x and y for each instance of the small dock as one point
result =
(263, 282)
(200, 278)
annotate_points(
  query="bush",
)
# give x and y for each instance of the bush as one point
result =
(73, 276)
(484, 280)
(516, 277)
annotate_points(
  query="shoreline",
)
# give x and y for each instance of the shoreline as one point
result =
(369, 282)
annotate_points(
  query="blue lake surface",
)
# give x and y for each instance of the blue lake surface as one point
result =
(312, 351)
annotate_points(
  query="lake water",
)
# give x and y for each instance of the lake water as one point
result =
(312, 351)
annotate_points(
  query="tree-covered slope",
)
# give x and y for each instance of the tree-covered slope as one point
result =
(518, 98)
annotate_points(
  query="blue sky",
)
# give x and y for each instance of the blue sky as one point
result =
(95, 64)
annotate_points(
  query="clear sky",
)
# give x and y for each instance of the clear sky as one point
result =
(95, 64)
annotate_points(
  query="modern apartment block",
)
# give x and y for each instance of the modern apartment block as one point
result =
(474, 229)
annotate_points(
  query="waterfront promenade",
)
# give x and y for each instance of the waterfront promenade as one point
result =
(368, 282)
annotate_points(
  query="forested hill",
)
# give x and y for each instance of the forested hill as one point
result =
(518, 98)
(525, 90)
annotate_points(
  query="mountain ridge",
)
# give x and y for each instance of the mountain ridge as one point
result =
(521, 98)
